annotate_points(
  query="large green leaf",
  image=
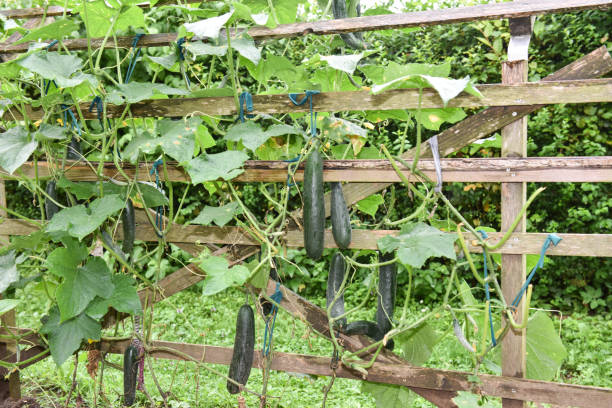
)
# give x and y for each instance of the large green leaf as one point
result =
(447, 88)
(51, 132)
(65, 260)
(418, 242)
(246, 47)
(8, 270)
(345, 63)
(16, 147)
(211, 167)
(432, 118)
(208, 28)
(219, 276)
(124, 298)
(201, 48)
(177, 140)
(219, 215)
(418, 343)
(370, 204)
(139, 91)
(466, 399)
(99, 16)
(389, 396)
(81, 285)
(56, 30)
(65, 337)
(63, 69)
(252, 136)
(6, 305)
(80, 221)
(545, 351)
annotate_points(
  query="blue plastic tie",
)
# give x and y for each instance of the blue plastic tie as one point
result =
(180, 48)
(277, 297)
(99, 105)
(291, 168)
(313, 116)
(553, 239)
(51, 44)
(487, 291)
(246, 103)
(74, 123)
(159, 211)
(132, 64)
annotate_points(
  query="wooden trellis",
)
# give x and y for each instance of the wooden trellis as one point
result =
(508, 105)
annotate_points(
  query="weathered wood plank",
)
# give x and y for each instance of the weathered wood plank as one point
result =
(399, 374)
(533, 93)
(474, 127)
(368, 23)
(484, 170)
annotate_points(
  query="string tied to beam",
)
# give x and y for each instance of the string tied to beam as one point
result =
(277, 297)
(245, 101)
(551, 240)
(293, 97)
(132, 64)
(487, 290)
(159, 211)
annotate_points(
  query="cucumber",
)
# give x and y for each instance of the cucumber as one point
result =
(367, 328)
(244, 346)
(129, 227)
(74, 150)
(109, 242)
(130, 374)
(334, 281)
(50, 207)
(341, 222)
(314, 206)
(387, 284)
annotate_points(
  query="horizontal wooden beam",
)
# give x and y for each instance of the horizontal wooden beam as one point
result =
(488, 170)
(367, 23)
(599, 245)
(524, 94)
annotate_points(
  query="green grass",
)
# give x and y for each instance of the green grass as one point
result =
(189, 317)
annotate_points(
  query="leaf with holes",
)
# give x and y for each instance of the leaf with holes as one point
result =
(219, 276)
(219, 215)
(16, 147)
(418, 242)
(124, 298)
(81, 285)
(65, 337)
(225, 165)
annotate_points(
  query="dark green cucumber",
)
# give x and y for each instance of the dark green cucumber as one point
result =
(367, 328)
(334, 281)
(244, 346)
(314, 206)
(50, 207)
(387, 284)
(109, 242)
(74, 150)
(129, 227)
(130, 375)
(340, 219)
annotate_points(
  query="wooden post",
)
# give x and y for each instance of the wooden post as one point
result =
(513, 197)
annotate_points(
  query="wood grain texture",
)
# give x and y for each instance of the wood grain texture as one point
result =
(369, 23)
(533, 93)
(489, 170)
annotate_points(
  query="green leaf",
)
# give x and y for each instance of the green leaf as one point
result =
(50, 132)
(370, 204)
(465, 292)
(203, 139)
(124, 298)
(99, 17)
(545, 351)
(344, 63)
(15, 148)
(466, 399)
(338, 129)
(65, 338)
(219, 215)
(80, 221)
(211, 167)
(432, 118)
(200, 48)
(167, 61)
(219, 276)
(418, 242)
(81, 285)
(208, 28)
(447, 88)
(418, 343)
(246, 47)
(8, 270)
(64, 261)
(56, 30)
(139, 91)
(389, 396)
(6, 305)
(252, 136)
(59, 68)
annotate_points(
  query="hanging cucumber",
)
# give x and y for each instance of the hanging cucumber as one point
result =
(109, 242)
(314, 206)
(129, 227)
(367, 328)
(339, 10)
(334, 281)
(341, 222)
(244, 346)
(50, 207)
(387, 283)
(74, 150)
(130, 373)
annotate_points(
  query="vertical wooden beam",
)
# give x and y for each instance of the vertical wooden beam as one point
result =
(513, 197)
